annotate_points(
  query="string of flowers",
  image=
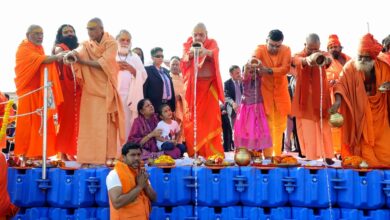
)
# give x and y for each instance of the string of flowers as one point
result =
(5, 118)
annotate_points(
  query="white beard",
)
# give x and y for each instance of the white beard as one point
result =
(364, 66)
(124, 50)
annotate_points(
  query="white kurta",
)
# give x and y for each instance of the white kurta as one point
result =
(130, 88)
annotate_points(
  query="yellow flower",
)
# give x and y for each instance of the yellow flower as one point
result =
(5, 119)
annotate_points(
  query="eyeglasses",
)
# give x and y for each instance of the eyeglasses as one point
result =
(158, 56)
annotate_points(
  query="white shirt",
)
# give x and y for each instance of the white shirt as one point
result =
(169, 131)
(113, 180)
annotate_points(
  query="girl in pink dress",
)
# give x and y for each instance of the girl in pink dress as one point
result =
(251, 128)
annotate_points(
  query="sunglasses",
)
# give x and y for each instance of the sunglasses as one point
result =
(159, 56)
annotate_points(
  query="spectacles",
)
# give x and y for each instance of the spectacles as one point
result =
(158, 56)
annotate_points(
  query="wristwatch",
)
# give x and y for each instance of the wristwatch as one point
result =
(270, 71)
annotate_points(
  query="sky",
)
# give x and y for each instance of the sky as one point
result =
(237, 26)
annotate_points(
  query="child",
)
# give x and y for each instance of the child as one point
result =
(170, 134)
(251, 127)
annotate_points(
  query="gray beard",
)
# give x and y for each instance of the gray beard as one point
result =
(124, 50)
(364, 66)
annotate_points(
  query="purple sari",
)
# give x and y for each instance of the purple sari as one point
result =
(142, 127)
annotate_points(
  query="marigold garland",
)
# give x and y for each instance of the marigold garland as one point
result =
(5, 118)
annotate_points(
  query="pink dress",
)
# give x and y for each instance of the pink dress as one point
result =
(251, 127)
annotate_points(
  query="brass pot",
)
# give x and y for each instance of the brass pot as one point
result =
(242, 157)
(336, 120)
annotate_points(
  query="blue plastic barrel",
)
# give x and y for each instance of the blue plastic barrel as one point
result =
(40, 213)
(23, 187)
(216, 187)
(359, 190)
(220, 213)
(265, 187)
(299, 213)
(256, 213)
(171, 185)
(101, 195)
(72, 188)
(313, 187)
(171, 213)
(72, 214)
(386, 187)
(103, 213)
(355, 214)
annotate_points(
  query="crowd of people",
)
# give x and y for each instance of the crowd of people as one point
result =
(104, 96)
(106, 105)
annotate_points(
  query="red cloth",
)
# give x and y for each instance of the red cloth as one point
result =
(368, 45)
(69, 110)
(333, 40)
(7, 209)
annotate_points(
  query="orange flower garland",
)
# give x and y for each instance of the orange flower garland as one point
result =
(5, 118)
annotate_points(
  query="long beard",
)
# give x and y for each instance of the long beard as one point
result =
(124, 50)
(364, 66)
(70, 41)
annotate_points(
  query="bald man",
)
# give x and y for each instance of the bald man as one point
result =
(313, 129)
(101, 111)
(31, 62)
(209, 92)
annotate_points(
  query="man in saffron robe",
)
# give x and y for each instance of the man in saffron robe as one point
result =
(7, 209)
(68, 113)
(30, 64)
(101, 111)
(332, 73)
(314, 132)
(209, 92)
(276, 60)
(128, 186)
(366, 130)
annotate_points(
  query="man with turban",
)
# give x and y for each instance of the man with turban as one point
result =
(332, 74)
(366, 130)
(310, 100)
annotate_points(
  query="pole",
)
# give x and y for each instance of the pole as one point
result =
(44, 144)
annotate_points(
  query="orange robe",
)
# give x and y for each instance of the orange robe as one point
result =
(100, 107)
(7, 209)
(138, 209)
(29, 72)
(385, 57)
(68, 112)
(208, 94)
(315, 142)
(181, 104)
(366, 130)
(274, 89)
(332, 73)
